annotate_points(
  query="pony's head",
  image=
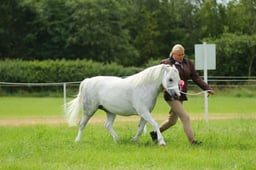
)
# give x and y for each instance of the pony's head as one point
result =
(171, 80)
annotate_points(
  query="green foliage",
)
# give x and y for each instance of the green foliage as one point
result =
(54, 71)
(97, 27)
(129, 33)
(66, 29)
(211, 18)
(144, 29)
(16, 29)
(49, 71)
(240, 17)
(236, 54)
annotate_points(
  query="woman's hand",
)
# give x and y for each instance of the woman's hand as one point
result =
(211, 92)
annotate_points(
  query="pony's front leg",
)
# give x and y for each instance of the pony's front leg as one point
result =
(147, 116)
(160, 137)
(109, 125)
(140, 129)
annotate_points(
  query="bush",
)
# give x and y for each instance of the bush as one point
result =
(47, 71)
(56, 71)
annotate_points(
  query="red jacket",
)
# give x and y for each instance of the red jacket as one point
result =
(186, 71)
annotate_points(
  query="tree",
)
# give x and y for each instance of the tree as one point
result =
(211, 18)
(51, 29)
(236, 54)
(97, 29)
(155, 26)
(16, 23)
(144, 29)
(182, 24)
(241, 17)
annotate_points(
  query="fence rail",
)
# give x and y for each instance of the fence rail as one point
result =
(36, 84)
(215, 80)
(212, 79)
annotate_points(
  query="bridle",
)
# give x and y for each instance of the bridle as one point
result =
(173, 87)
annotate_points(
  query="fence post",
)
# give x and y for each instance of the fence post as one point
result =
(206, 80)
(64, 96)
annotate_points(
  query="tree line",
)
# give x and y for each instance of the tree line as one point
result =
(129, 32)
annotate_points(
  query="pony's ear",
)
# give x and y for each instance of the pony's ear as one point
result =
(167, 67)
(164, 81)
(173, 66)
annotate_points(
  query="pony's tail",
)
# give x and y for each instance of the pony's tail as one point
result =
(73, 107)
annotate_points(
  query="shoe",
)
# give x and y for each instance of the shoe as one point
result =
(195, 142)
(153, 135)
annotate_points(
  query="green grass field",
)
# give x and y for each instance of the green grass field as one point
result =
(227, 143)
(50, 106)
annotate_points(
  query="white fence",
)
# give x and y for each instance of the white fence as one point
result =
(63, 84)
(218, 81)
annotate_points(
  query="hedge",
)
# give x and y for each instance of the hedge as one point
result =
(51, 71)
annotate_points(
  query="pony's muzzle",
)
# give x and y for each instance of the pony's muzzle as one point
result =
(174, 91)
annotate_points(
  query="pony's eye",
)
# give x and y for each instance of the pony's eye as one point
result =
(170, 79)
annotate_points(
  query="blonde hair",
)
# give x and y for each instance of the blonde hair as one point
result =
(177, 47)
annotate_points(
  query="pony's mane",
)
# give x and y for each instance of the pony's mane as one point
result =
(146, 76)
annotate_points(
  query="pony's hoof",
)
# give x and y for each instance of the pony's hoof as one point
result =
(162, 144)
(116, 140)
(77, 140)
(134, 139)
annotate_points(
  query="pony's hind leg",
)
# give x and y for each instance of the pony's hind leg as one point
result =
(88, 112)
(140, 129)
(82, 124)
(109, 125)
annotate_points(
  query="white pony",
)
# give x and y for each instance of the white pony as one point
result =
(134, 95)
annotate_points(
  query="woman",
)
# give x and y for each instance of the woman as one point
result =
(186, 71)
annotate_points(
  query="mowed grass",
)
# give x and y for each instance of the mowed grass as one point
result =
(227, 144)
(50, 106)
(31, 106)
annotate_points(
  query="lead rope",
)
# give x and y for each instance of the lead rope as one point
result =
(194, 94)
